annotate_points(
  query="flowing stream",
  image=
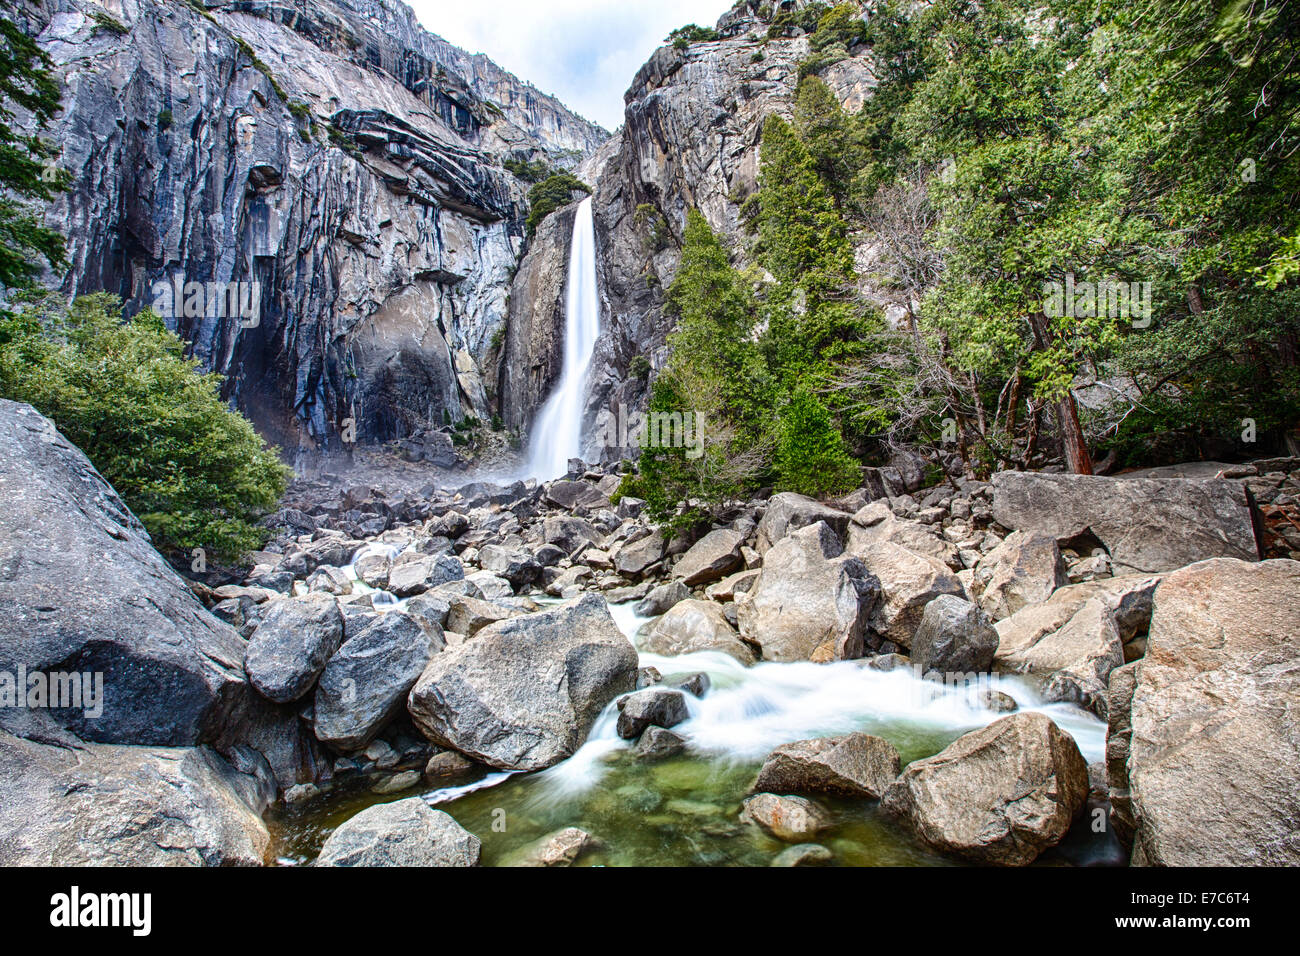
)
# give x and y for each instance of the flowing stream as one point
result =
(557, 429)
(684, 810)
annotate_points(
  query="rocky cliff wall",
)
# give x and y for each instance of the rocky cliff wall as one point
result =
(339, 162)
(690, 139)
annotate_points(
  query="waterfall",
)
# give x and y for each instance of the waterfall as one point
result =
(557, 429)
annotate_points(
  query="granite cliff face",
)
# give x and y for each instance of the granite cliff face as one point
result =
(340, 162)
(691, 134)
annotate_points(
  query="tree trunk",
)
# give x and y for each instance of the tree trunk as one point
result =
(1075, 448)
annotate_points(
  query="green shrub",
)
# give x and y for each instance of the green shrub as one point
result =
(164, 119)
(683, 37)
(811, 458)
(105, 21)
(550, 194)
(193, 471)
(530, 172)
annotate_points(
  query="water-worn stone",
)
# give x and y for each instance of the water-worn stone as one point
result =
(998, 795)
(954, 636)
(803, 854)
(289, 649)
(854, 765)
(692, 626)
(1146, 524)
(711, 558)
(365, 683)
(657, 706)
(561, 848)
(790, 819)
(523, 693)
(1215, 750)
(402, 833)
(808, 601)
(657, 743)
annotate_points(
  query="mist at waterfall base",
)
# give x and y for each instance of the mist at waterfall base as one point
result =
(557, 429)
(685, 810)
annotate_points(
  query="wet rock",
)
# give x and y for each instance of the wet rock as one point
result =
(656, 743)
(523, 693)
(803, 854)
(697, 684)
(658, 706)
(692, 626)
(997, 701)
(448, 763)
(711, 558)
(999, 795)
(365, 683)
(854, 765)
(789, 819)
(954, 636)
(561, 848)
(807, 600)
(397, 782)
(403, 833)
(289, 649)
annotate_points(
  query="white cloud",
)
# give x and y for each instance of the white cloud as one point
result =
(583, 51)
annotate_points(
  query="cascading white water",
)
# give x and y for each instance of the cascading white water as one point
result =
(557, 430)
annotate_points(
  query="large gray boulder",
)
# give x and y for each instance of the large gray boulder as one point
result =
(289, 649)
(711, 558)
(364, 685)
(569, 533)
(1147, 524)
(999, 795)
(954, 636)
(402, 833)
(634, 557)
(908, 583)
(1215, 750)
(787, 512)
(1129, 598)
(809, 602)
(1080, 657)
(524, 693)
(653, 706)
(110, 805)
(691, 626)
(83, 590)
(662, 599)
(413, 574)
(1021, 571)
(854, 765)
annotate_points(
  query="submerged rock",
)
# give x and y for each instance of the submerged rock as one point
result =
(403, 833)
(999, 795)
(523, 693)
(803, 854)
(854, 765)
(561, 848)
(790, 819)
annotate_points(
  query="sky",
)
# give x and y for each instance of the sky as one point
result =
(583, 51)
